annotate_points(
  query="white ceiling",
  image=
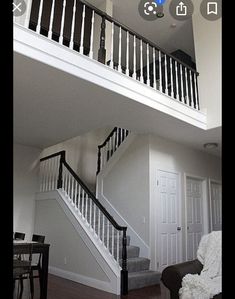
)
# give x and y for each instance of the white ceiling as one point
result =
(51, 106)
(159, 31)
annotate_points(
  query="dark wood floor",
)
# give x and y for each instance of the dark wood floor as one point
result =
(59, 288)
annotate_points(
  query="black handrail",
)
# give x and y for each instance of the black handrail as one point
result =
(126, 28)
(94, 199)
(107, 139)
(60, 153)
(124, 271)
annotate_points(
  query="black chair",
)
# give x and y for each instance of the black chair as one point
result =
(37, 266)
(22, 271)
(19, 236)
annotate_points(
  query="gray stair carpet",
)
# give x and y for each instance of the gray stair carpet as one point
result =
(139, 274)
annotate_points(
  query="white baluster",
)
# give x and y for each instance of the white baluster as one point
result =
(112, 238)
(148, 74)
(28, 12)
(90, 210)
(99, 223)
(82, 207)
(117, 246)
(39, 17)
(160, 69)
(76, 196)
(182, 84)
(92, 34)
(107, 234)
(71, 43)
(81, 49)
(112, 41)
(103, 230)
(41, 177)
(186, 82)
(166, 76)
(86, 209)
(191, 88)
(79, 198)
(53, 174)
(171, 73)
(141, 61)
(72, 191)
(134, 58)
(154, 69)
(127, 54)
(94, 217)
(62, 23)
(196, 93)
(176, 80)
(69, 187)
(51, 19)
(120, 50)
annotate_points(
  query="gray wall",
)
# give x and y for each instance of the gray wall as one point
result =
(25, 185)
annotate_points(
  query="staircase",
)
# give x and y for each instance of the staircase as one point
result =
(112, 239)
(139, 275)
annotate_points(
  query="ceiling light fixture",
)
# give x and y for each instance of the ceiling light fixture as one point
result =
(210, 145)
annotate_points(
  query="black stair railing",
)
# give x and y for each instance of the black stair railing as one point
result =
(109, 146)
(55, 173)
(71, 23)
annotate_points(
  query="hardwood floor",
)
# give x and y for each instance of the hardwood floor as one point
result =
(60, 288)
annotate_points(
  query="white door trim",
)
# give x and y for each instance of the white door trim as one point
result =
(205, 206)
(155, 206)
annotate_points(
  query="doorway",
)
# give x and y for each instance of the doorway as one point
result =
(215, 205)
(195, 214)
(168, 241)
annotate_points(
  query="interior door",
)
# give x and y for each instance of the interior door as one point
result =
(194, 216)
(216, 205)
(168, 220)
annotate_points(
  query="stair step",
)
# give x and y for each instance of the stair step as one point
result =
(137, 280)
(137, 264)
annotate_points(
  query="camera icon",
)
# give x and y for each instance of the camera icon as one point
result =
(150, 10)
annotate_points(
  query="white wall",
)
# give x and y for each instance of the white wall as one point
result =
(81, 154)
(126, 186)
(25, 185)
(170, 156)
(131, 185)
(208, 50)
(68, 252)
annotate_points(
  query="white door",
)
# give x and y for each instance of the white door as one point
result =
(169, 229)
(194, 216)
(216, 205)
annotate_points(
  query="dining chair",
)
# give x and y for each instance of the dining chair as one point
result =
(19, 236)
(36, 265)
(22, 271)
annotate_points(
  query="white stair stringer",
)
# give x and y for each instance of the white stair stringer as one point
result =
(90, 238)
(135, 238)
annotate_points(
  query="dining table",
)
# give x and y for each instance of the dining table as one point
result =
(21, 247)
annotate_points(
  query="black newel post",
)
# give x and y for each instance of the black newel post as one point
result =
(124, 272)
(99, 160)
(102, 50)
(60, 180)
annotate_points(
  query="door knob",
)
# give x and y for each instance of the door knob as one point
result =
(178, 228)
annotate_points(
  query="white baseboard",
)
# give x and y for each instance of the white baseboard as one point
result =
(88, 281)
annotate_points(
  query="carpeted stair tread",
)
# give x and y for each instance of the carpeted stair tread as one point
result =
(137, 280)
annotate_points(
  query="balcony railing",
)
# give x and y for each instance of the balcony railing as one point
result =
(83, 28)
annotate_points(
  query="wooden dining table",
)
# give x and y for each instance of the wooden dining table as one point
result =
(20, 247)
